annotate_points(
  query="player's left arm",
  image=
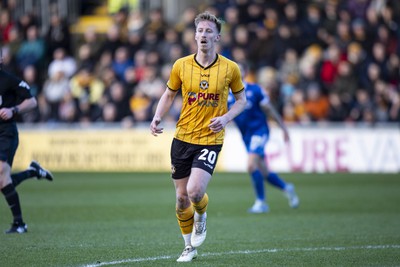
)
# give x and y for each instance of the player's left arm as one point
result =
(25, 106)
(269, 109)
(219, 123)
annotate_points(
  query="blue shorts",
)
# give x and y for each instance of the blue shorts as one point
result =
(256, 144)
(185, 156)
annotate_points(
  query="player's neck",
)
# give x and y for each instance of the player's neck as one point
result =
(206, 58)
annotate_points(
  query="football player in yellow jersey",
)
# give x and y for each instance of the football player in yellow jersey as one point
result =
(205, 79)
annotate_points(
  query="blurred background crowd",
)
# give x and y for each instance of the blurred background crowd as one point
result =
(319, 61)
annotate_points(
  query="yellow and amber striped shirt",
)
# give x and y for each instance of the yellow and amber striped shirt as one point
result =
(205, 93)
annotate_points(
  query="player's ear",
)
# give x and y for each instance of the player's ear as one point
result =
(217, 38)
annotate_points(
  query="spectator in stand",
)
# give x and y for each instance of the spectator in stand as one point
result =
(85, 87)
(68, 109)
(120, 18)
(156, 24)
(289, 65)
(337, 111)
(167, 44)
(32, 50)
(62, 61)
(112, 41)
(54, 90)
(373, 74)
(107, 77)
(299, 107)
(185, 21)
(345, 84)
(57, 36)
(117, 95)
(6, 24)
(393, 67)
(329, 22)
(89, 38)
(262, 51)
(84, 56)
(310, 26)
(121, 62)
(361, 111)
(140, 64)
(140, 106)
(343, 35)
(104, 62)
(316, 103)
(30, 75)
(151, 85)
(355, 55)
(360, 35)
(379, 57)
(24, 22)
(14, 41)
(329, 67)
(187, 41)
(135, 42)
(130, 79)
(291, 19)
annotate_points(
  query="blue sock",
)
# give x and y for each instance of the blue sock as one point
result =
(274, 179)
(258, 184)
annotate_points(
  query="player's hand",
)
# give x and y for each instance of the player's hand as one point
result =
(154, 129)
(6, 113)
(217, 124)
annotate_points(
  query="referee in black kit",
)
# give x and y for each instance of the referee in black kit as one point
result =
(15, 98)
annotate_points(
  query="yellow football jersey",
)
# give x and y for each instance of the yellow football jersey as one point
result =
(205, 93)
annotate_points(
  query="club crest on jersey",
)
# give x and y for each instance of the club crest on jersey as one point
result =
(204, 85)
(192, 97)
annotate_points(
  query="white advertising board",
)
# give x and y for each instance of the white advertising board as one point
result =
(315, 149)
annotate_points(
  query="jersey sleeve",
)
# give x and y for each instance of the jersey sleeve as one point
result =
(236, 83)
(174, 83)
(24, 90)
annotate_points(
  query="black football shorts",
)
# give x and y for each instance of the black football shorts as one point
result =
(8, 142)
(185, 156)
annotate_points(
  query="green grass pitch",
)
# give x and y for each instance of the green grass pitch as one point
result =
(128, 219)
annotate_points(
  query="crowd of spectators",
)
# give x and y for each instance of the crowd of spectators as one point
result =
(334, 61)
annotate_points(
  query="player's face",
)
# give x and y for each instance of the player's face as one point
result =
(206, 35)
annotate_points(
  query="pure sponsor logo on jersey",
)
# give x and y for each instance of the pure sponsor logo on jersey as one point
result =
(204, 99)
(192, 97)
(24, 84)
(203, 84)
(208, 99)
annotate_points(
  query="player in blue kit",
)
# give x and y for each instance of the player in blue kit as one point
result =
(253, 125)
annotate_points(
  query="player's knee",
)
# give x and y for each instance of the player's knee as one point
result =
(196, 197)
(251, 167)
(182, 201)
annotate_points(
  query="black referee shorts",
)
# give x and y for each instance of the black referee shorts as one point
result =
(8, 142)
(185, 156)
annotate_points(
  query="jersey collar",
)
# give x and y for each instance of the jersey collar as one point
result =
(209, 66)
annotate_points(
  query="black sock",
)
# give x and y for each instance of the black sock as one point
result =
(19, 177)
(13, 202)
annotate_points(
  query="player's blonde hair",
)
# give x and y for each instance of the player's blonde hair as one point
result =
(209, 17)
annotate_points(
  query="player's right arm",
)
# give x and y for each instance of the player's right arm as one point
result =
(268, 108)
(163, 106)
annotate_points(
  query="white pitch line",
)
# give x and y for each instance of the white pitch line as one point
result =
(270, 250)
